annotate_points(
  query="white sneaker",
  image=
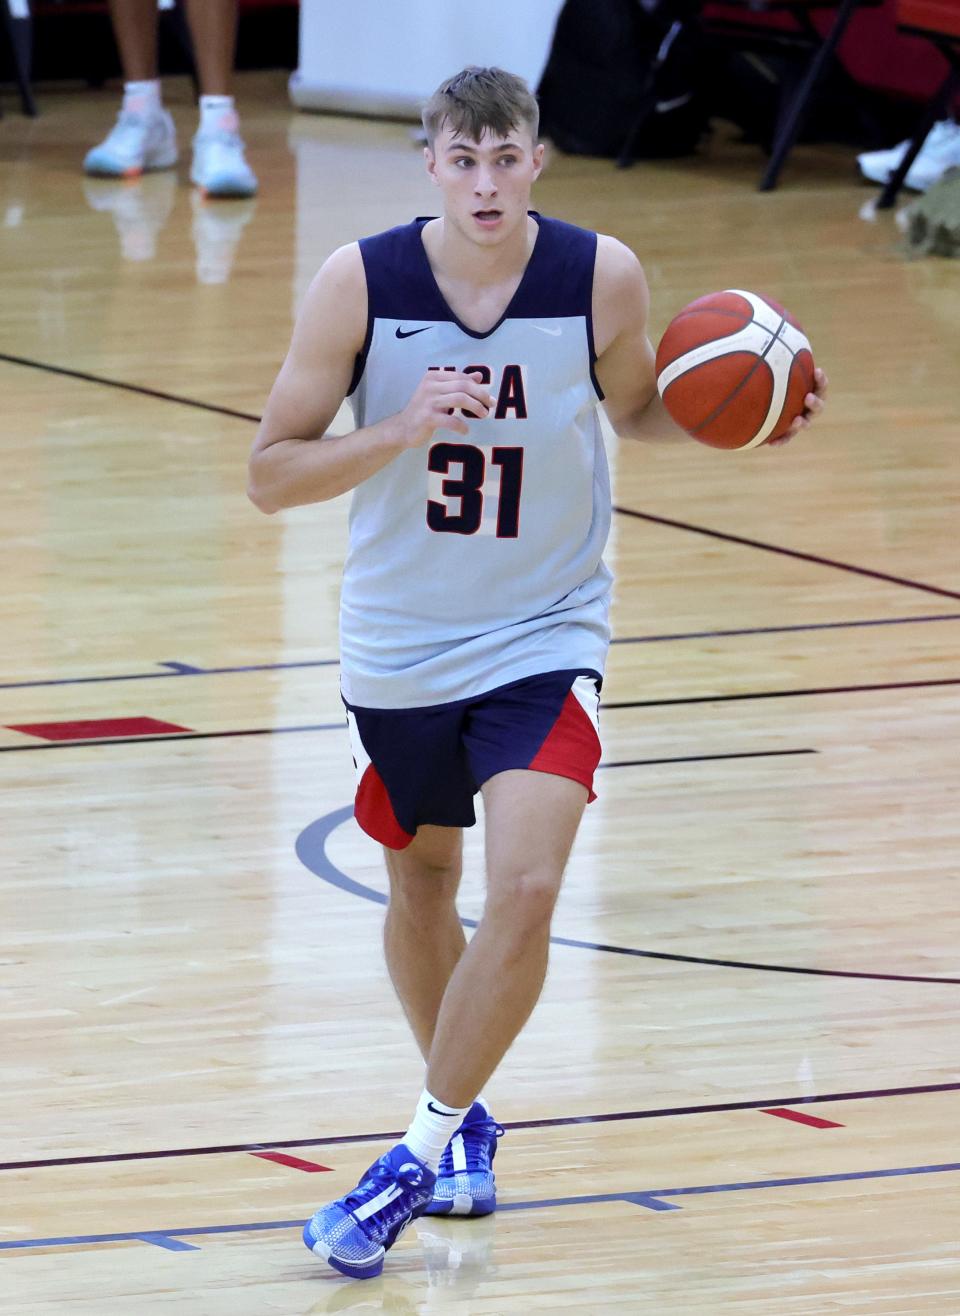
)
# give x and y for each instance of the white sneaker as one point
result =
(136, 143)
(940, 152)
(219, 166)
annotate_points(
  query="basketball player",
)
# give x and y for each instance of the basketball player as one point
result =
(474, 348)
(144, 137)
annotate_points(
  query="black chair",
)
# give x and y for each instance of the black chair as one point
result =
(804, 38)
(939, 22)
(18, 31)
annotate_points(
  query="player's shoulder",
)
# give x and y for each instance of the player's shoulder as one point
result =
(340, 280)
(621, 298)
(343, 269)
(616, 262)
(337, 297)
(618, 275)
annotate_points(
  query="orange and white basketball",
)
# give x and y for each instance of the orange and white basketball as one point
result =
(733, 369)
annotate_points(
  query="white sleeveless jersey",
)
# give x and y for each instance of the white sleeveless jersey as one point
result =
(477, 560)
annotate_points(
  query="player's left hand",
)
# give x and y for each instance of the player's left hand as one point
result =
(813, 404)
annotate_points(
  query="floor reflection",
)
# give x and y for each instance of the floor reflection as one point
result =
(457, 1257)
(141, 207)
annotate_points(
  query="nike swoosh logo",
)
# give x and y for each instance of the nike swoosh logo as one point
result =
(450, 1114)
(554, 333)
(408, 333)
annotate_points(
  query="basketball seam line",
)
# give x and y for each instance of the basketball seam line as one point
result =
(762, 358)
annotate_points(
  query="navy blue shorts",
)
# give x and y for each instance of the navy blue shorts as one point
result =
(419, 766)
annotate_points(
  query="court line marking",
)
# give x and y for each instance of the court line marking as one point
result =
(784, 694)
(87, 378)
(817, 559)
(555, 1122)
(931, 684)
(311, 849)
(788, 552)
(652, 1198)
(706, 758)
(177, 669)
(340, 726)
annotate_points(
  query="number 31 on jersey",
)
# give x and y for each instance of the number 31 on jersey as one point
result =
(474, 489)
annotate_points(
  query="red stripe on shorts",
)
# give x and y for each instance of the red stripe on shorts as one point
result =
(374, 812)
(572, 749)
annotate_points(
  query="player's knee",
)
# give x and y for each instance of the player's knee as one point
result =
(524, 901)
(426, 883)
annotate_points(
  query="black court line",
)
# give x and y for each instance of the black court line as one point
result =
(789, 552)
(178, 735)
(176, 669)
(88, 378)
(608, 707)
(783, 694)
(311, 848)
(340, 726)
(707, 758)
(563, 1121)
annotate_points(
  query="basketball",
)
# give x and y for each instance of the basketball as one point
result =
(733, 369)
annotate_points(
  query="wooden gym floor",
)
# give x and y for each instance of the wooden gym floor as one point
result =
(739, 1092)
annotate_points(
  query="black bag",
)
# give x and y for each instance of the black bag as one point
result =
(622, 79)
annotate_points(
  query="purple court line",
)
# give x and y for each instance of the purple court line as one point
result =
(177, 669)
(311, 848)
(789, 552)
(557, 1122)
(652, 1198)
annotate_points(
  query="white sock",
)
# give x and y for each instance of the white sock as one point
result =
(218, 112)
(434, 1124)
(143, 97)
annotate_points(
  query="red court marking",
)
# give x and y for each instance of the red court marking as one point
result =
(294, 1162)
(98, 728)
(800, 1118)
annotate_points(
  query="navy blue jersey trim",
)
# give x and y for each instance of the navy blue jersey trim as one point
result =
(556, 283)
(589, 316)
(360, 360)
(512, 311)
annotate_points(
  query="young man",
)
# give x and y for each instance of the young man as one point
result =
(475, 348)
(144, 138)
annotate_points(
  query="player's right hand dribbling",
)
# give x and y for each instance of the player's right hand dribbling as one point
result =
(440, 398)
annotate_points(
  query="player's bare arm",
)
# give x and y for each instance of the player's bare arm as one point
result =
(294, 460)
(625, 355)
(625, 365)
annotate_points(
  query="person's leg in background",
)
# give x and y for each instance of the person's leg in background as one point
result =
(143, 136)
(219, 166)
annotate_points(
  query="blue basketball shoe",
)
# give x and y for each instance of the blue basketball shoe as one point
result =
(465, 1182)
(353, 1233)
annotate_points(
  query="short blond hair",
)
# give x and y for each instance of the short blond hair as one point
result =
(478, 100)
